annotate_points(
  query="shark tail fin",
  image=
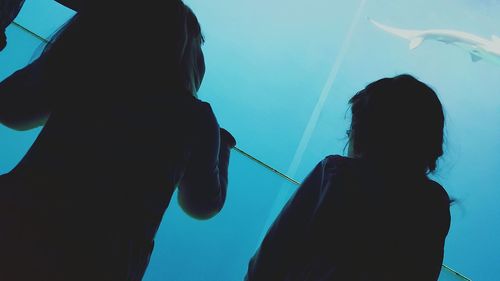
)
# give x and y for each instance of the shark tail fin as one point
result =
(403, 33)
(415, 42)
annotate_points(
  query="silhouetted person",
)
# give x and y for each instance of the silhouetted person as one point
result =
(116, 93)
(374, 215)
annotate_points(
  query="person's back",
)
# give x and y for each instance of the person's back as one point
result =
(116, 187)
(367, 225)
(124, 130)
(375, 215)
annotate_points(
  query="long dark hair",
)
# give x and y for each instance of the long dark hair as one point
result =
(398, 122)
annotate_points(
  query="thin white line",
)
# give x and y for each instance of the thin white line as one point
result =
(313, 120)
(284, 193)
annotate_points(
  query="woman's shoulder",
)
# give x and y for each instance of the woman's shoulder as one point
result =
(335, 169)
(325, 169)
(190, 108)
(338, 164)
(203, 114)
(197, 107)
(202, 117)
(437, 193)
(336, 160)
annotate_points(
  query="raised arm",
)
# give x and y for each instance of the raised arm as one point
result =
(202, 190)
(8, 12)
(9, 9)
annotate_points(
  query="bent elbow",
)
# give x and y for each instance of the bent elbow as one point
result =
(203, 214)
(20, 126)
(200, 208)
(22, 123)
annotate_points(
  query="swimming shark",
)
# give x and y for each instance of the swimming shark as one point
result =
(478, 47)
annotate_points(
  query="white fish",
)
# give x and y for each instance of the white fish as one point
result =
(478, 47)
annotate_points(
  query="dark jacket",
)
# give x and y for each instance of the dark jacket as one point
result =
(119, 136)
(350, 221)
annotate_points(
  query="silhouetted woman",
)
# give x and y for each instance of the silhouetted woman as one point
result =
(116, 93)
(374, 215)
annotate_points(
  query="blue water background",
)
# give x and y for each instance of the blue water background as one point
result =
(279, 75)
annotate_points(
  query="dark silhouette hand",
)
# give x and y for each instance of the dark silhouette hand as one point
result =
(227, 138)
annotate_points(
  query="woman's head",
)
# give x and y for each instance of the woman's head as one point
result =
(397, 122)
(171, 38)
